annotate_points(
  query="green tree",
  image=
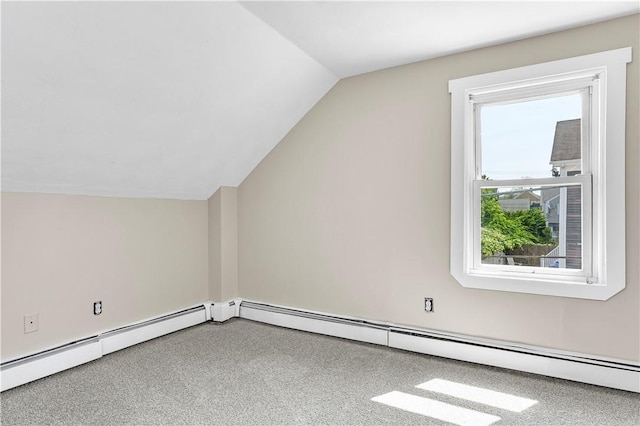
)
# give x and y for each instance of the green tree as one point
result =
(502, 231)
(534, 222)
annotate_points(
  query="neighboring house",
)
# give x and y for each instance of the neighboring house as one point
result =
(550, 198)
(528, 195)
(563, 206)
(523, 201)
(513, 204)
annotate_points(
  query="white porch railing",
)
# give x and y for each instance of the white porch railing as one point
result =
(550, 257)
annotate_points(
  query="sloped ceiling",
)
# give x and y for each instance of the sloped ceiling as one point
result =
(354, 37)
(175, 99)
(166, 99)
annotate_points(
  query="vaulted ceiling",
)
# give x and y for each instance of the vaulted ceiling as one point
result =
(175, 99)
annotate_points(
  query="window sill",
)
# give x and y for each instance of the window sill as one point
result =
(541, 284)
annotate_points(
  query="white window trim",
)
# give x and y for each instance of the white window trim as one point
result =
(609, 195)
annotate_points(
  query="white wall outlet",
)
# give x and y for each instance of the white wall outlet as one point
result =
(97, 307)
(30, 323)
(428, 304)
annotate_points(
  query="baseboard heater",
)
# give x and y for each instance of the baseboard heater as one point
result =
(593, 370)
(329, 325)
(133, 334)
(570, 366)
(33, 367)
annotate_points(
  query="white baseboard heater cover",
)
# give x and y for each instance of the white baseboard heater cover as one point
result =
(33, 367)
(223, 311)
(618, 375)
(362, 331)
(131, 335)
(581, 368)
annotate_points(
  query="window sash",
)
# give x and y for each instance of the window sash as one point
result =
(583, 275)
(536, 88)
(587, 83)
(589, 89)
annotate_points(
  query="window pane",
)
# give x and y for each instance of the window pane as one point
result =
(527, 139)
(533, 226)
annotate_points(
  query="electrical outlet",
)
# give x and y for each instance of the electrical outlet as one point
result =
(30, 323)
(97, 307)
(428, 304)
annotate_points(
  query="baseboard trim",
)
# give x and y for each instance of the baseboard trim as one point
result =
(36, 366)
(610, 373)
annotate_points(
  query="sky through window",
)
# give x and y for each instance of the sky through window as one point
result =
(517, 138)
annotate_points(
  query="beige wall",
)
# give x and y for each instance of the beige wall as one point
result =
(223, 244)
(60, 253)
(215, 248)
(349, 214)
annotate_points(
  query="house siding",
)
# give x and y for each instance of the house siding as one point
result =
(574, 228)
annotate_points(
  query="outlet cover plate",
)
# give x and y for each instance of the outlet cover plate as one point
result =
(30, 323)
(428, 304)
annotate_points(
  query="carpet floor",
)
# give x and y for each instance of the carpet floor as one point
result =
(247, 373)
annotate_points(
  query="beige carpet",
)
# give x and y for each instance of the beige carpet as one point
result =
(243, 372)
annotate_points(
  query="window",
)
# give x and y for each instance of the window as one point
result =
(537, 177)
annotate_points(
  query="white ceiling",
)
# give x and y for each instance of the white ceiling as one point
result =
(175, 99)
(351, 38)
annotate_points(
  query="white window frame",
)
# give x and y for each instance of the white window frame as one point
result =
(602, 178)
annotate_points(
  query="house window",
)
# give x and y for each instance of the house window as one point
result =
(537, 178)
